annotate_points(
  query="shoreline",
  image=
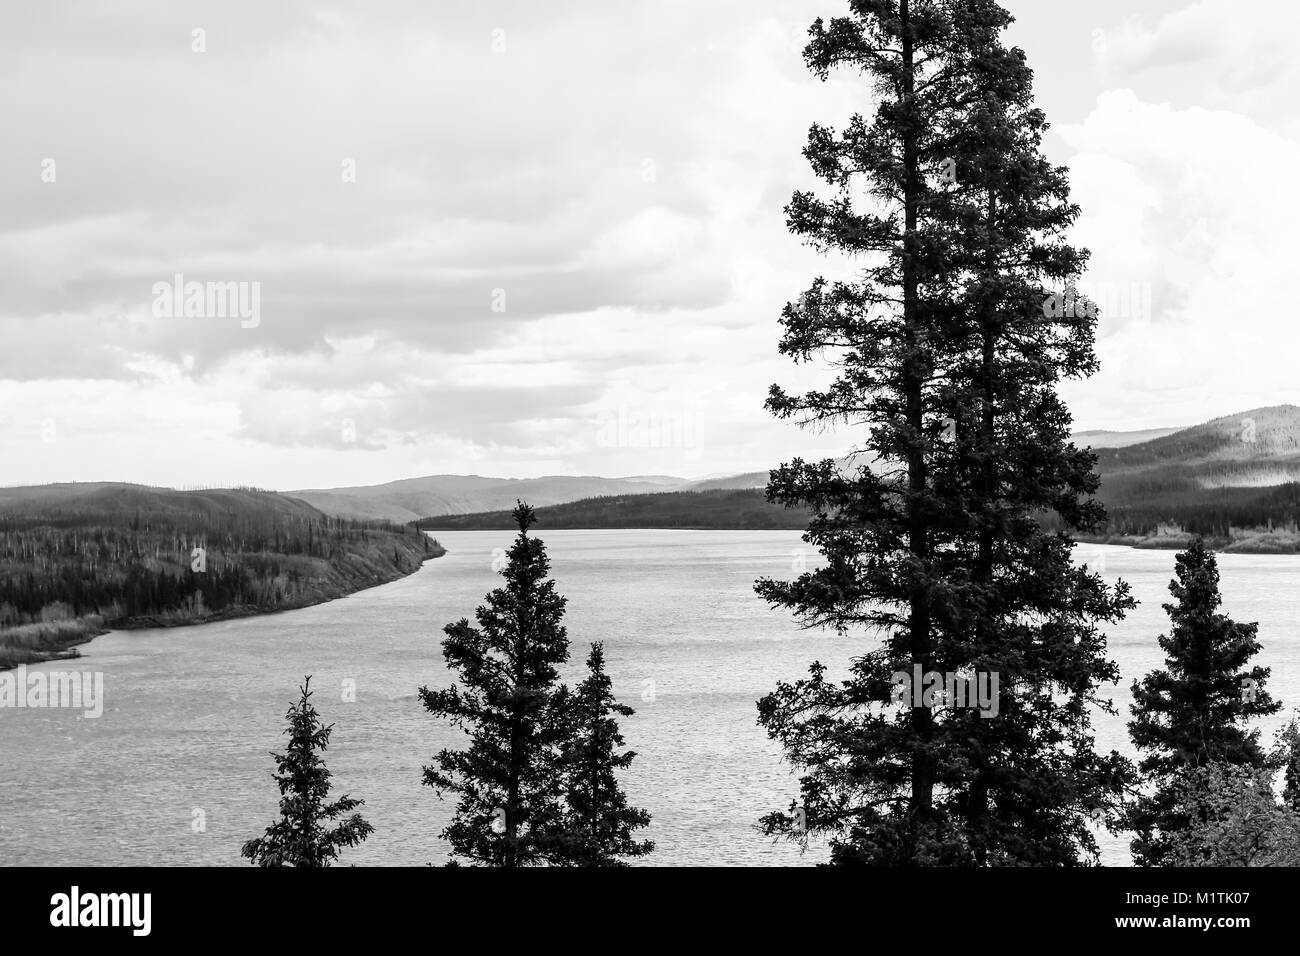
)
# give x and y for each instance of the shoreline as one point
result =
(41, 643)
(1261, 543)
(58, 640)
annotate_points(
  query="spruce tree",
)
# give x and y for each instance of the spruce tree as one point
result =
(1192, 712)
(1288, 746)
(509, 781)
(302, 836)
(599, 823)
(949, 358)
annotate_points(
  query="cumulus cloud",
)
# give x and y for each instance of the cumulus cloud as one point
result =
(487, 234)
(476, 230)
(1219, 54)
(1183, 197)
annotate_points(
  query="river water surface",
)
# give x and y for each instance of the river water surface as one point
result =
(177, 770)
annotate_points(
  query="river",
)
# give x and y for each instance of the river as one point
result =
(177, 770)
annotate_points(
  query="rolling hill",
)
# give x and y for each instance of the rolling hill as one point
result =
(751, 479)
(77, 558)
(412, 498)
(1256, 448)
(1113, 439)
(1233, 479)
(108, 500)
(733, 509)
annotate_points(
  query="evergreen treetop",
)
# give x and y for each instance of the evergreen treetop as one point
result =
(600, 822)
(509, 701)
(1193, 711)
(303, 835)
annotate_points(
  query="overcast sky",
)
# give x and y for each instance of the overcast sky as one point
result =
(526, 238)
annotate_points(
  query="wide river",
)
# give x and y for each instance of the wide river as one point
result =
(178, 769)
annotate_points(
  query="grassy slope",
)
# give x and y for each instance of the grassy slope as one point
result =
(53, 640)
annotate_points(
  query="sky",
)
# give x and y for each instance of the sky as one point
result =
(521, 239)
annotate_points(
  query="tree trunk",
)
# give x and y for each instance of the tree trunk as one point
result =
(978, 803)
(914, 374)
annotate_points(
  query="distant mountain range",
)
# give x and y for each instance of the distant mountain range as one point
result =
(1230, 473)
(1235, 479)
(412, 498)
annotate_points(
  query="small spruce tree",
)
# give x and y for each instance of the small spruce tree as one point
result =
(1191, 713)
(303, 835)
(1289, 758)
(599, 822)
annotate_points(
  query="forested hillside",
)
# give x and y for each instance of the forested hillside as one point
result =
(743, 509)
(75, 559)
(1232, 479)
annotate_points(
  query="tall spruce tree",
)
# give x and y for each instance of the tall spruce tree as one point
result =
(302, 836)
(1192, 712)
(949, 354)
(599, 822)
(509, 781)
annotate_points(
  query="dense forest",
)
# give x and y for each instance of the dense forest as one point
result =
(1232, 518)
(128, 556)
(736, 509)
(1152, 510)
(1233, 480)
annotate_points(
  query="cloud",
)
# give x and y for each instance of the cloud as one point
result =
(1185, 203)
(475, 230)
(482, 232)
(1220, 54)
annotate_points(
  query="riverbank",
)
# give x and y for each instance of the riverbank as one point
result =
(47, 641)
(58, 640)
(1241, 541)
